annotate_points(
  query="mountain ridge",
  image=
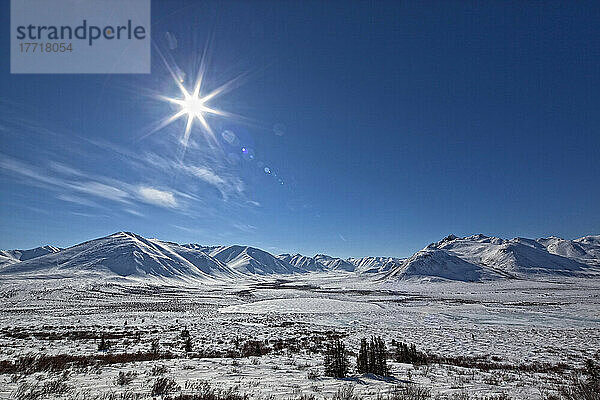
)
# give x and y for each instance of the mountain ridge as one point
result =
(470, 258)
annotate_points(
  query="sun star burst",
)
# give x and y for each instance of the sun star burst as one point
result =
(193, 104)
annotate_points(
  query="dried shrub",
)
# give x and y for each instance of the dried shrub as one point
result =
(163, 386)
(125, 378)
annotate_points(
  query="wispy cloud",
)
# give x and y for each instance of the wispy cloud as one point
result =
(134, 212)
(206, 175)
(225, 181)
(78, 184)
(27, 171)
(77, 200)
(245, 227)
(189, 230)
(65, 169)
(102, 190)
(209, 167)
(156, 196)
(178, 184)
(87, 215)
(228, 185)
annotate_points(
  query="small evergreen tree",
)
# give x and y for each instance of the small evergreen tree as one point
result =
(408, 354)
(362, 362)
(372, 357)
(104, 344)
(336, 359)
(188, 345)
(380, 351)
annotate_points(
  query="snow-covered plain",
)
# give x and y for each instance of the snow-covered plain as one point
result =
(302, 305)
(513, 321)
(534, 331)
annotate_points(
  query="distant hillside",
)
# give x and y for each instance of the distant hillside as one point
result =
(473, 258)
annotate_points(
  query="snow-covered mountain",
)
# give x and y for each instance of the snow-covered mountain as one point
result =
(126, 254)
(323, 262)
(123, 254)
(472, 258)
(439, 264)
(334, 263)
(303, 262)
(480, 257)
(368, 265)
(585, 249)
(250, 260)
(14, 256)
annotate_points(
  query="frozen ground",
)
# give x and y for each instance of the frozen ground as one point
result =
(266, 339)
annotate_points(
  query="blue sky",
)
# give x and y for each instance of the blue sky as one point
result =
(385, 125)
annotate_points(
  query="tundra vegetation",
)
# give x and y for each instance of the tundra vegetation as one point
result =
(125, 342)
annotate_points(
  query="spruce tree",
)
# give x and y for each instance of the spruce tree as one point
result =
(372, 357)
(188, 345)
(336, 359)
(408, 354)
(104, 344)
(381, 367)
(362, 358)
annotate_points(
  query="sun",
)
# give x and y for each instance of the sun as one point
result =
(193, 106)
(192, 103)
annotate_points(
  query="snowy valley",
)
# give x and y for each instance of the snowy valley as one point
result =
(126, 317)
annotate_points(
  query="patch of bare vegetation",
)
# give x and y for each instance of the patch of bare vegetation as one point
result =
(60, 362)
